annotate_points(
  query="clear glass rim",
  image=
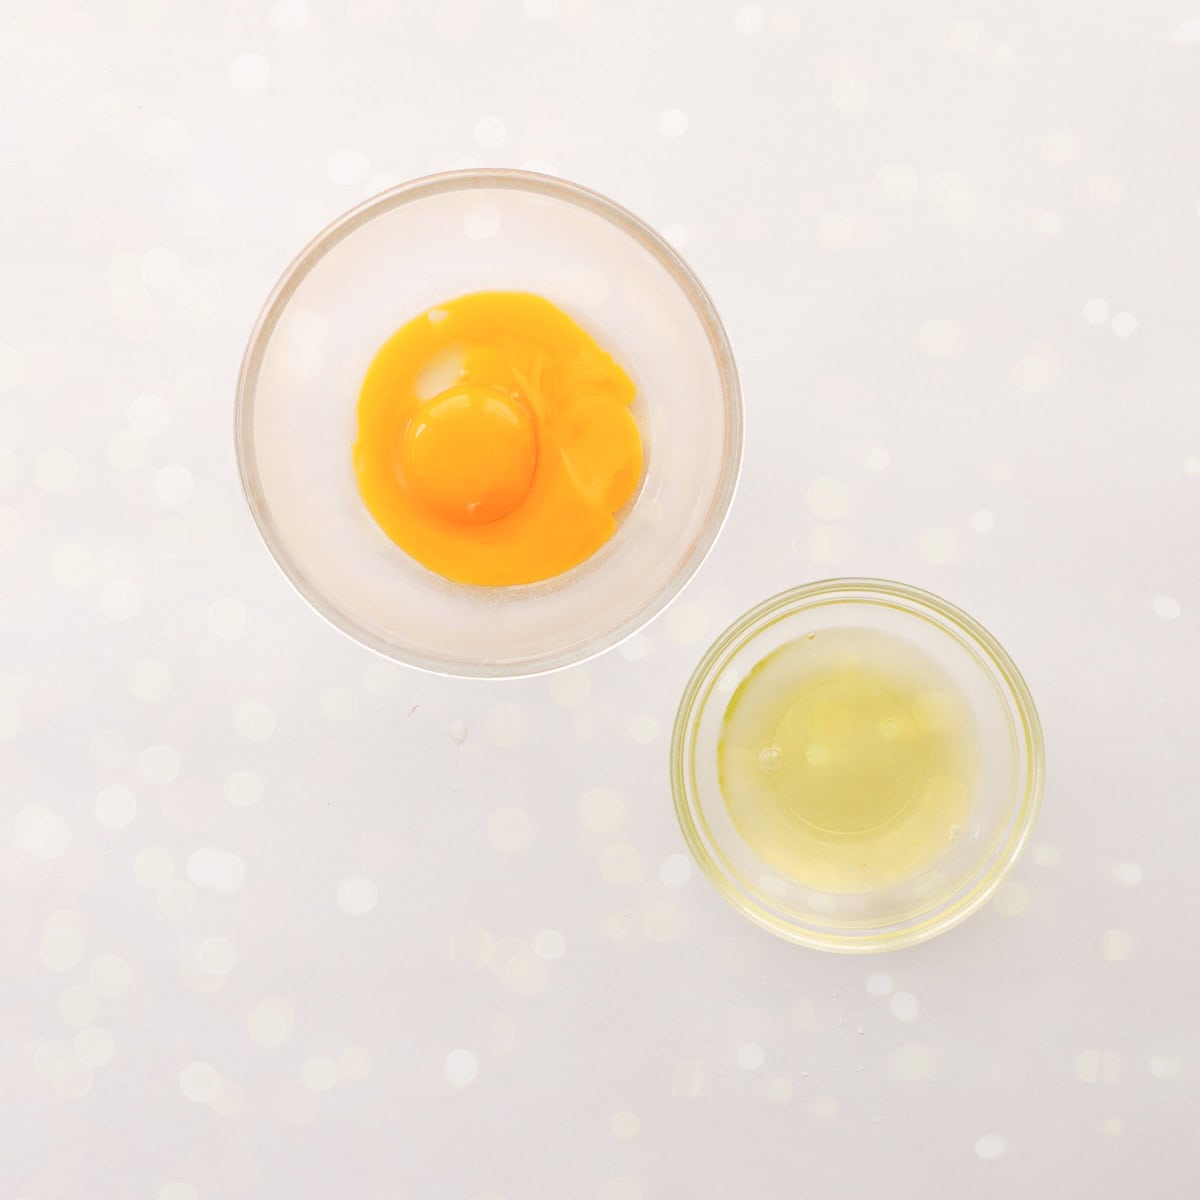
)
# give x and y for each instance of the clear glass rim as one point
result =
(421, 189)
(959, 904)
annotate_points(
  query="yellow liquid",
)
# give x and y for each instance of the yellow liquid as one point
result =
(848, 760)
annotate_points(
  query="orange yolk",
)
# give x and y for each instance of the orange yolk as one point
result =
(469, 454)
(495, 440)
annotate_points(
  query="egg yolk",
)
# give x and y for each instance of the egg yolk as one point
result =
(470, 453)
(495, 442)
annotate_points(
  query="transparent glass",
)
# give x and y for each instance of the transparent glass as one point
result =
(391, 258)
(1001, 814)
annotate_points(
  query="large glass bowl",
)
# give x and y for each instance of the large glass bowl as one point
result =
(1001, 813)
(385, 262)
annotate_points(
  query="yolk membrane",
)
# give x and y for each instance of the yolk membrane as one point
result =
(469, 454)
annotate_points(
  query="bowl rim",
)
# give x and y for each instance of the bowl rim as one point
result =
(422, 188)
(910, 600)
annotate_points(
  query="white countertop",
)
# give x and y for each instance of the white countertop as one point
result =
(285, 920)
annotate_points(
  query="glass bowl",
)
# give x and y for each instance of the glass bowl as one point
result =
(388, 260)
(1000, 815)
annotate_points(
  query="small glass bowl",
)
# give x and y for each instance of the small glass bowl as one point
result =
(1001, 816)
(395, 256)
